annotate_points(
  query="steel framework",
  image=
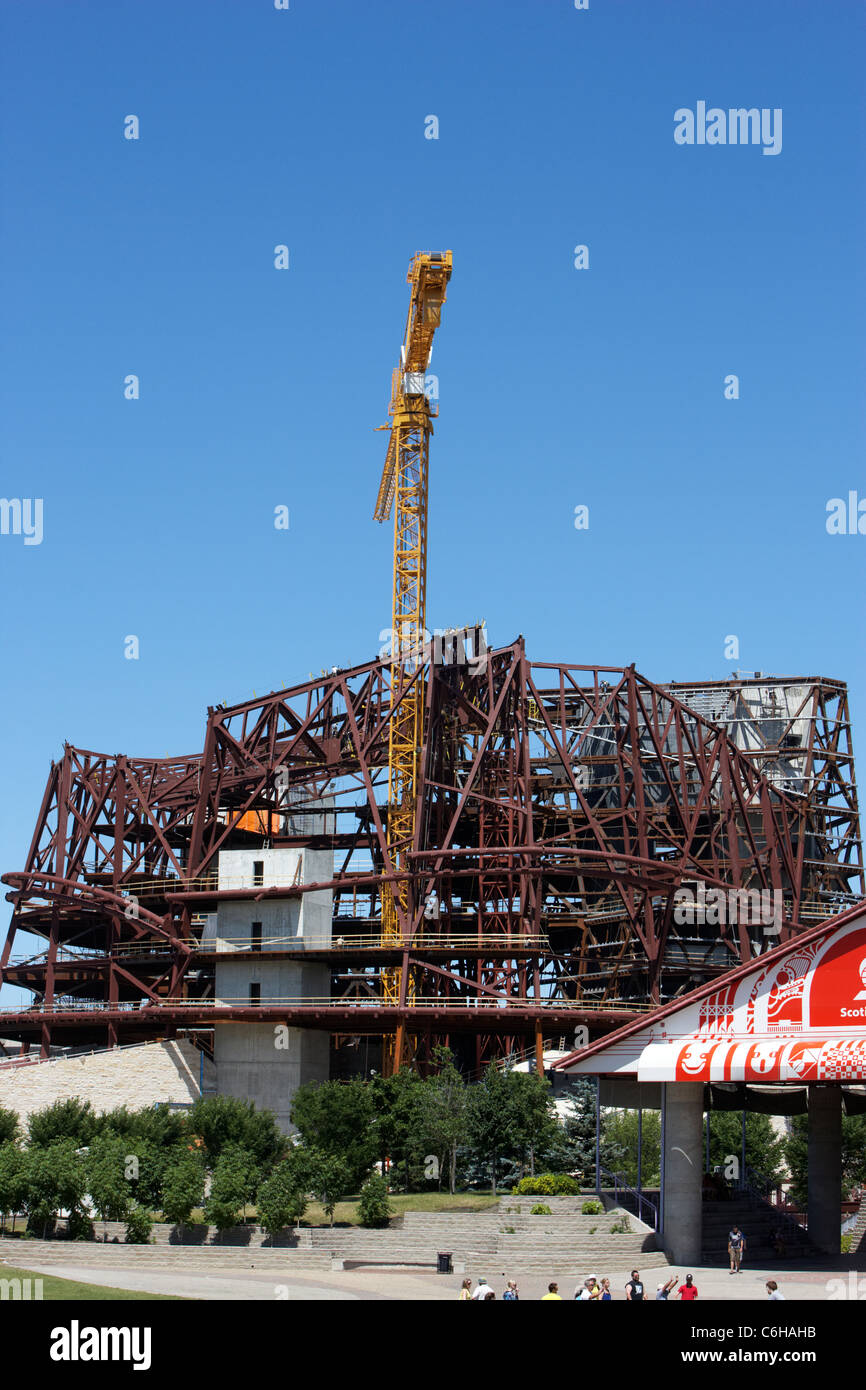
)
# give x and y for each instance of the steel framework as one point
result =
(561, 813)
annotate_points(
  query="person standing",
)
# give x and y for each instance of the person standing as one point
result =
(482, 1289)
(687, 1292)
(634, 1289)
(736, 1248)
(663, 1291)
(606, 1296)
(552, 1294)
(512, 1293)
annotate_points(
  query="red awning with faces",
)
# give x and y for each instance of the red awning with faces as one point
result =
(796, 1014)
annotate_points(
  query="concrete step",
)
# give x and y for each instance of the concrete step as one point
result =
(245, 1237)
(108, 1257)
(553, 1265)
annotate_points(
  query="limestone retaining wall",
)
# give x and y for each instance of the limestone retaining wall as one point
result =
(132, 1076)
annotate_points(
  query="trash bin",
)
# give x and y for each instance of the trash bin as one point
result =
(444, 1264)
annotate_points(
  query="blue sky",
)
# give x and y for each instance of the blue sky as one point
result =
(558, 387)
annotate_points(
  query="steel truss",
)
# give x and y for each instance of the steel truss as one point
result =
(563, 815)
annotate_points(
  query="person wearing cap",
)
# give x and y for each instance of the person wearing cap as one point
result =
(663, 1291)
(482, 1288)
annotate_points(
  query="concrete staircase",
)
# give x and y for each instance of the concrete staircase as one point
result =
(163, 1233)
(858, 1234)
(757, 1220)
(503, 1239)
(506, 1238)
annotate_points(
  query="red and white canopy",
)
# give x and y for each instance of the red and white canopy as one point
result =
(797, 1013)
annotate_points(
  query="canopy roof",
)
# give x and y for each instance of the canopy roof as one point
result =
(796, 1013)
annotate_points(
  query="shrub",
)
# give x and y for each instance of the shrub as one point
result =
(622, 1227)
(138, 1226)
(8, 1125)
(540, 1209)
(79, 1226)
(592, 1207)
(547, 1185)
(374, 1209)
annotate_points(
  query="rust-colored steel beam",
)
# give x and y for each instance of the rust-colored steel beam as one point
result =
(571, 808)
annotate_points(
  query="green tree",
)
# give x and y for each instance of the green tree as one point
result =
(12, 1163)
(145, 1168)
(535, 1124)
(225, 1121)
(183, 1182)
(374, 1209)
(765, 1150)
(65, 1119)
(53, 1180)
(796, 1153)
(9, 1127)
(229, 1188)
(441, 1115)
(332, 1179)
(282, 1197)
(396, 1120)
(338, 1118)
(492, 1128)
(620, 1130)
(853, 1151)
(105, 1168)
(576, 1151)
(153, 1124)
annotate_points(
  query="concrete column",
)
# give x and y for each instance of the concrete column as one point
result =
(682, 1172)
(825, 1167)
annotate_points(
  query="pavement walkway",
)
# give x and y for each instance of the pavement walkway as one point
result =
(830, 1281)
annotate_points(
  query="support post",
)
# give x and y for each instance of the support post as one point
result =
(597, 1133)
(743, 1147)
(825, 1168)
(640, 1149)
(683, 1111)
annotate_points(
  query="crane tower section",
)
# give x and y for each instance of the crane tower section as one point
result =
(403, 489)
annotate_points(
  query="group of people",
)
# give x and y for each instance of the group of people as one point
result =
(594, 1290)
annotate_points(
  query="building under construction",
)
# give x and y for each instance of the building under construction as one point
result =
(452, 843)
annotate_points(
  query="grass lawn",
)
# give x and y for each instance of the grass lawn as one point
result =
(62, 1290)
(346, 1213)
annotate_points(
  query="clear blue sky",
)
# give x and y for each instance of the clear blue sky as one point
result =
(558, 387)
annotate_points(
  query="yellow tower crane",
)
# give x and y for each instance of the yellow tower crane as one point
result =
(404, 487)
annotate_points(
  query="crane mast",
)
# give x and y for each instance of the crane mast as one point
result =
(403, 488)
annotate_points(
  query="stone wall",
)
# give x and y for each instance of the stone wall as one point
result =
(132, 1076)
